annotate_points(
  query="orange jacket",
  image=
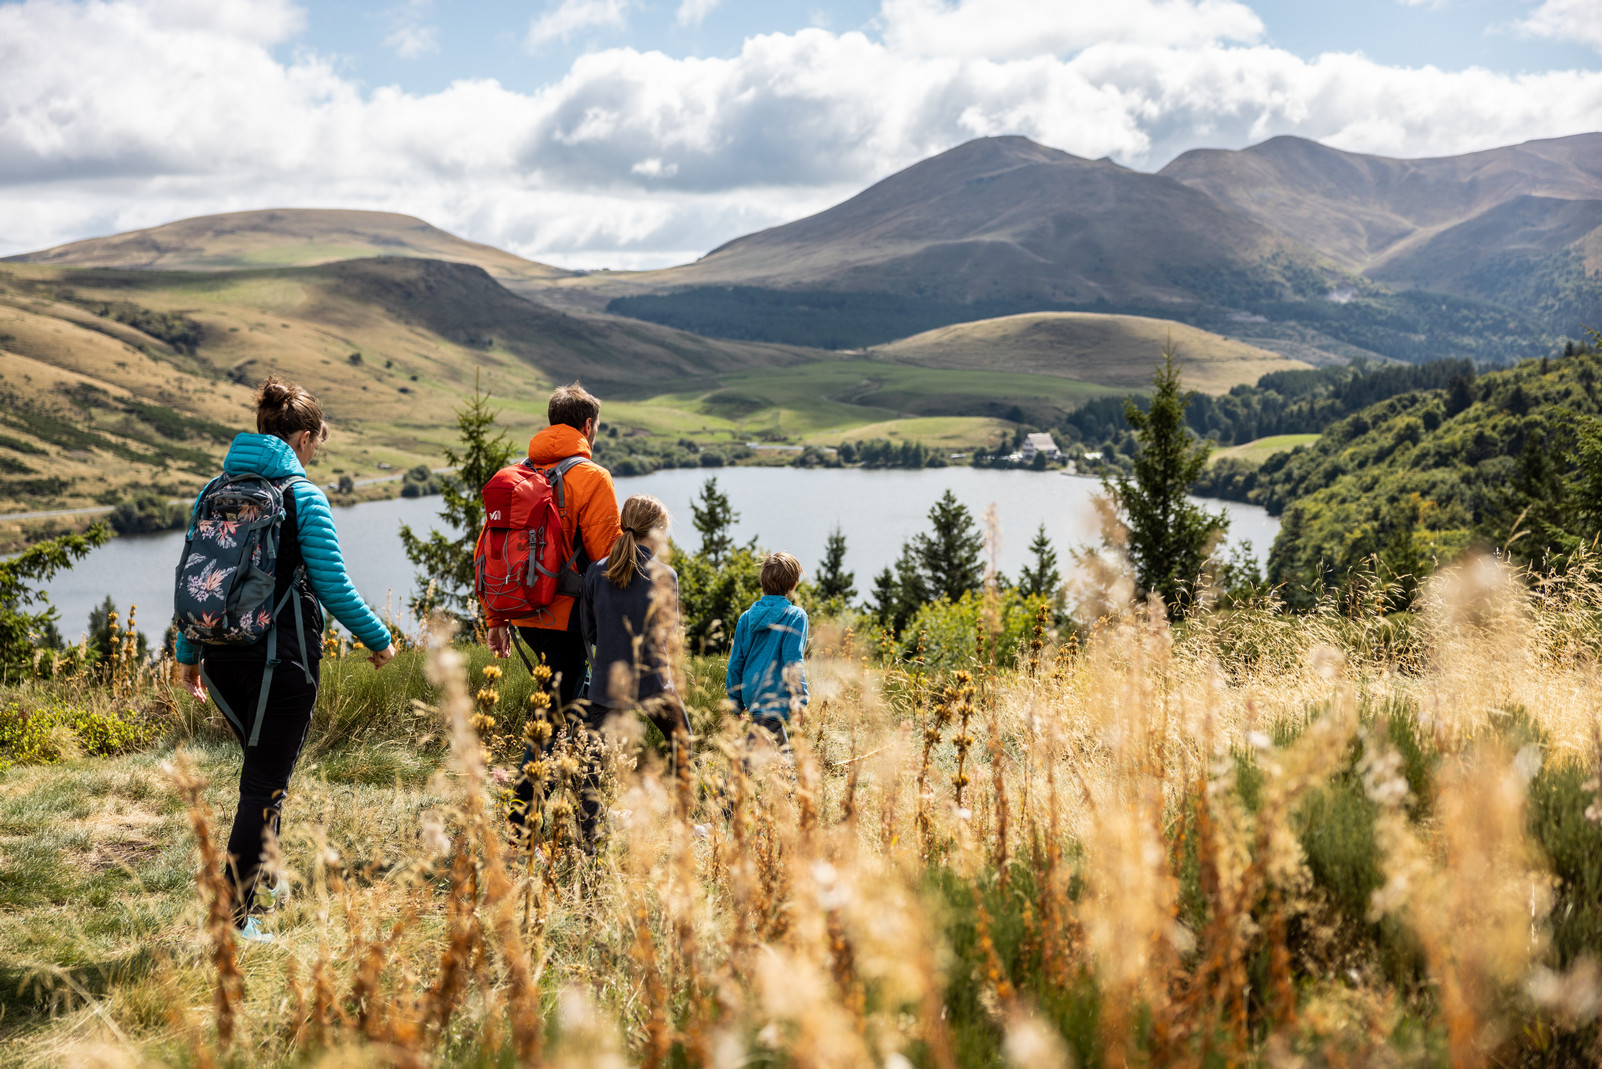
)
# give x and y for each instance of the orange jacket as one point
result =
(590, 512)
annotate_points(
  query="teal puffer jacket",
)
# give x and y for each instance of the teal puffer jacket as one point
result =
(265, 454)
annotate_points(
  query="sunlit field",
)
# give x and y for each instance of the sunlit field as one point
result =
(1343, 838)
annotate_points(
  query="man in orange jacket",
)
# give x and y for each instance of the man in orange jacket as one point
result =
(590, 520)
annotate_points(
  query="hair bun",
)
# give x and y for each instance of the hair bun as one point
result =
(274, 393)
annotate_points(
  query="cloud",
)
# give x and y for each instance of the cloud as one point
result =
(1566, 20)
(694, 12)
(411, 35)
(124, 113)
(1009, 29)
(570, 16)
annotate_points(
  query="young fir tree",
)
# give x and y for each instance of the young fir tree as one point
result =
(834, 582)
(948, 556)
(715, 519)
(446, 559)
(899, 593)
(1041, 578)
(1170, 539)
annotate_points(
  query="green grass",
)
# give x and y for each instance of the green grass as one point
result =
(1260, 449)
(834, 399)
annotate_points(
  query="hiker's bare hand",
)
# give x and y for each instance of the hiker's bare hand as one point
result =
(383, 656)
(189, 675)
(500, 641)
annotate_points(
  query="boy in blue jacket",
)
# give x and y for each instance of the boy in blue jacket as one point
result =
(766, 676)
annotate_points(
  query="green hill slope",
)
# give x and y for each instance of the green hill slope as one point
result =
(1422, 476)
(285, 237)
(119, 381)
(1112, 350)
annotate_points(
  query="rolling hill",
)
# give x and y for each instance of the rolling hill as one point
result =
(114, 382)
(285, 237)
(1112, 350)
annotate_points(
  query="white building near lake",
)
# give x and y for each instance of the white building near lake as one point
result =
(1039, 443)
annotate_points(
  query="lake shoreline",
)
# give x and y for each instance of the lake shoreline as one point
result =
(781, 507)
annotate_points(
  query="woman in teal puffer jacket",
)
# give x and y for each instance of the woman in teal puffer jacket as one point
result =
(291, 427)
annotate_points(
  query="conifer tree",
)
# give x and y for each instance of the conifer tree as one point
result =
(1041, 578)
(715, 519)
(1170, 538)
(446, 558)
(900, 593)
(949, 555)
(833, 581)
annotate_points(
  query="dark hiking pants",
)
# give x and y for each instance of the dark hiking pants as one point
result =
(564, 654)
(264, 774)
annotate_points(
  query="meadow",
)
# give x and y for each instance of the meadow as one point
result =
(1346, 837)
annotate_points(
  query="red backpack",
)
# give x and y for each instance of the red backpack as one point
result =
(524, 558)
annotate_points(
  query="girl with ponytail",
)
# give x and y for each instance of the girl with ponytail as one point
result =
(629, 618)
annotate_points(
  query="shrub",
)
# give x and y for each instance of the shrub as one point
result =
(58, 730)
(950, 630)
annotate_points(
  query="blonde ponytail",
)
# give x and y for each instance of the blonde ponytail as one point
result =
(641, 515)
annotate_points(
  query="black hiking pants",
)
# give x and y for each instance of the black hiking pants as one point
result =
(564, 654)
(264, 775)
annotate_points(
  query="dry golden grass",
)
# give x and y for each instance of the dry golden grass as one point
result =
(1098, 856)
(1113, 350)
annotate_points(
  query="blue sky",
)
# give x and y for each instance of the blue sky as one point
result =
(640, 133)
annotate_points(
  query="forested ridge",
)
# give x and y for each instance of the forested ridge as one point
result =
(1510, 461)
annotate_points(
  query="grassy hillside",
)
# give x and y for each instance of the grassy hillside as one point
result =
(123, 381)
(291, 237)
(1113, 350)
(1260, 449)
(822, 400)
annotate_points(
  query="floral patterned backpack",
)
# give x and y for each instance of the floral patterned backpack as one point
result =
(228, 574)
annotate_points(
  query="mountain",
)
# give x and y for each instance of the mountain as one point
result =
(1259, 245)
(117, 381)
(1519, 227)
(297, 237)
(1361, 210)
(1112, 350)
(1003, 218)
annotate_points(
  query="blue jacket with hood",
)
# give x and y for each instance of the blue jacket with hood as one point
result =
(771, 636)
(269, 455)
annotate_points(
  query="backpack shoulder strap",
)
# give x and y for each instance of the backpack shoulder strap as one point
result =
(557, 475)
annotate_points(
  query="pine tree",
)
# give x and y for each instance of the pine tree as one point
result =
(900, 593)
(715, 519)
(833, 581)
(446, 559)
(1170, 539)
(1040, 579)
(948, 557)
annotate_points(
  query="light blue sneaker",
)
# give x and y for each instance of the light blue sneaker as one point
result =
(252, 932)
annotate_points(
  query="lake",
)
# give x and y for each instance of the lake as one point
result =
(783, 508)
